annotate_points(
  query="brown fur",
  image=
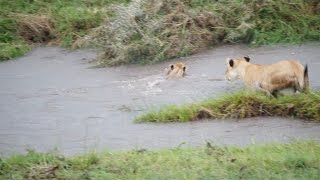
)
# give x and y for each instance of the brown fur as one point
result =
(270, 78)
(176, 71)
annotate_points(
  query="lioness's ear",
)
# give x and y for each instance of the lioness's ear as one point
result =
(231, 62)
(184, 69)
(247, 58)
(171, 66)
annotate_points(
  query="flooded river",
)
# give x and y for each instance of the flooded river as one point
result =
(52, 99)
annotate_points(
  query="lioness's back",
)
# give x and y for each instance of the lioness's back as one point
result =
(270, 77)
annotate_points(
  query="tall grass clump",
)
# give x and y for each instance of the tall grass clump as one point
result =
(147, 31)
(240, 105)
(295, 160)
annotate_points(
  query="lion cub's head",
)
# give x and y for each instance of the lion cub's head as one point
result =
(234, 67)
(175, 71)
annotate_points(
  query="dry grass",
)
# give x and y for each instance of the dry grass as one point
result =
(35, 28)
(148, 31)
(151, 31)
(42, 172)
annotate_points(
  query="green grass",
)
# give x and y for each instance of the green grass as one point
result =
(266, 22)
(240, 105)
(10, 45)
(296, 160)
(13, 49)
(70, 20)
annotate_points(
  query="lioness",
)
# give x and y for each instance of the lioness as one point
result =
(269, 78)
(175, 71)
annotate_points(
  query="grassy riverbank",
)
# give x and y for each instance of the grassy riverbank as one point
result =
(150, 31)
(297, 160)
(24, 23)
(240, 105)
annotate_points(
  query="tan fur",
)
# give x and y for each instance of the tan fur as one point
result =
(270, 78)
(176, 71)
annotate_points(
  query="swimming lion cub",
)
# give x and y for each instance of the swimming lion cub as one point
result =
(269, 78)
(175, 71)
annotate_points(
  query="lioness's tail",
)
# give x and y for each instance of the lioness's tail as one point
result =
(306, 79)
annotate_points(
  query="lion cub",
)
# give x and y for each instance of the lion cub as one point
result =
(175, 71)
(269, 78)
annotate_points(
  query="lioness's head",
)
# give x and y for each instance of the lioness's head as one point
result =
(234, 67)
(175, 71)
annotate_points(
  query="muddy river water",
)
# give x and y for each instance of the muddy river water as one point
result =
(52, 99)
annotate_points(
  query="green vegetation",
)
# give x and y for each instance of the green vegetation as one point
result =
(152, 31)
(149, 31)
(13, 49)
(267, 22)
(27, 22)
(297, 160)
(240, 105)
